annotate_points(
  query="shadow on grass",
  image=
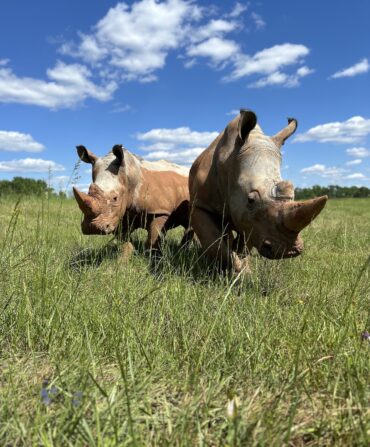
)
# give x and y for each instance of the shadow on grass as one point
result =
(188, 262)
(92, 257)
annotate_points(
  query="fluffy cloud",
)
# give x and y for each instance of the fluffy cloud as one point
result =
(215, 48)
(353, 130)
(359, 152)
(355, 162)
(214, 28)
(136, 39)
(185, 156)
(68, 85)
(132, 43)
(269, 60)
(179, 136)
(324, 171)
(181, 145)
(30, 165)
(16, 142)
(333, 174)
(278, 78)
(361, 67)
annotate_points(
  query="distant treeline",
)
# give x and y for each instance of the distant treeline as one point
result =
(26, 186)
(333, 191)
(29, 186)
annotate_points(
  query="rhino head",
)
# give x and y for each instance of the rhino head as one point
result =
(261, 204)
(106, 201)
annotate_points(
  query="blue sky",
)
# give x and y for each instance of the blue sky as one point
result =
(164, 78)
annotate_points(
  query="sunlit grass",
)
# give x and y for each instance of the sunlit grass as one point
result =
(97, 351)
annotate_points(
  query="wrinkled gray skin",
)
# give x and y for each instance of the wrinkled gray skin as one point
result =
(236, 185)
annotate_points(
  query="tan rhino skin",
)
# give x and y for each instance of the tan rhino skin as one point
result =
(129, 193)
(238, 199)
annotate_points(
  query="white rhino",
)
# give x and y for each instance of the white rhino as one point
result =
(236, 188)
(129, 193)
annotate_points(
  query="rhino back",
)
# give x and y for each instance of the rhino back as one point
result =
(161, 192)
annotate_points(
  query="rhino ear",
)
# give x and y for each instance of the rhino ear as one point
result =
(247, 122)
(289, 130)
(119, 153)
(86, 155)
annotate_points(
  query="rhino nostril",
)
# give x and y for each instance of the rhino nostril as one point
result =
(267, 248)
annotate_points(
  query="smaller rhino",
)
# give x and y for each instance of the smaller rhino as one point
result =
(129, 193)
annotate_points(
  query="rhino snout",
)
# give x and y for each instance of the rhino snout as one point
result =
(271, 250)
(90, 227)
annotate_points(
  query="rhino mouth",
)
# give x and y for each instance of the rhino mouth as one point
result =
(272, 251)
(93, 228)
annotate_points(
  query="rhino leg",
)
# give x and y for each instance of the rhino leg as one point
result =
(215, 240)
(126, 251)
(156, 228)
(188, 236)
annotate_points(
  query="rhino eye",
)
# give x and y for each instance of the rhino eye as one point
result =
(115, 199)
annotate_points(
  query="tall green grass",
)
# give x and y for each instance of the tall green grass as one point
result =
(100, 352)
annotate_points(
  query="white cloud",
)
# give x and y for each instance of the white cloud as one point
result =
(278, 78)
(30, 165)
(361, 67)
(258, 20)
(68, 86)
(181, 145)
(268, 61)
(137, 39)
(216, 49)
(359, 152)
(350, 131)
(237, 10)
(324, 171)
(357, 161)
(132, 42)
(179, 136)
(214, 28)
(355, 176)
(185, 156)
(16, 142)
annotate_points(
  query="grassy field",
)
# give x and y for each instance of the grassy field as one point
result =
(99, 352)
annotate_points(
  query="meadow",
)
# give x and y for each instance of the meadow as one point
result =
(98, 351)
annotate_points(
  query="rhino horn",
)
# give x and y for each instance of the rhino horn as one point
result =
(85, 202)
(297, 215)
(289, 130)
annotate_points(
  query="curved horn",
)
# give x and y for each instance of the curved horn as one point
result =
(297, 215)
(289, 130)
(85, 202)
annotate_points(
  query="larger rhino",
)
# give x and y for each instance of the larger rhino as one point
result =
(129, 193)
(236, 189)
